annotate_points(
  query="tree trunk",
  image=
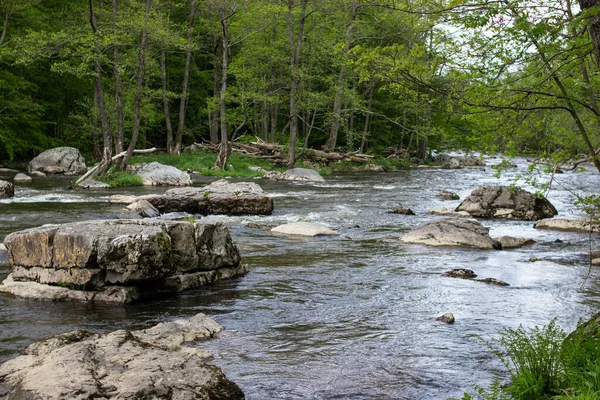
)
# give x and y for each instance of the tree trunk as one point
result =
(594, 25)
(118, 89)
(186, 78)
(224, 149)
(163, 70)
(214, 115)
(137, 102)
(99, 93)
(363, 141)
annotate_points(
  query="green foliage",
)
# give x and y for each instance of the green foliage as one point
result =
(117, 179)
(543, 363)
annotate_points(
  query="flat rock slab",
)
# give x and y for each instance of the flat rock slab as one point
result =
(558, 224)
(304, 229)
(220, 197)
(60, 160)
(510, 242)
(144, 364)
(296, 174)
(139, 257)
(448, 213)
(452, 232)
(156, 174)
(507, 203)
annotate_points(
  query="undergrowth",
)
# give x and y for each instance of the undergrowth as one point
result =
(117, 179)
(545, 363)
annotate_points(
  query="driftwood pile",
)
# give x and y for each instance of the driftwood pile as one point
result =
(278, 153)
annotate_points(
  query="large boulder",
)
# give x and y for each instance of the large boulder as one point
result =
(156, 174)
(6, 189)
(60, 160)
(305, 229)
(508, 203)
(220, 197)
(452, 232)
(118, 261)
(567, 225)
(144, 364)
(296, 174)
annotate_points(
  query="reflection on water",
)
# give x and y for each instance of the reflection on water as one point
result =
(351, 317)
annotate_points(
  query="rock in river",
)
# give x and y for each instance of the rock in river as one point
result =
(448, 195)
(20, 177)
(296, 174)
(144, 364)
(305, 229)
(6, 189)
(220, 197)
(509, 242)
(156, 174)
(508, 203)
(118, 261)
(60, 160)
(558, 224)
(452, 232)
(447, 318)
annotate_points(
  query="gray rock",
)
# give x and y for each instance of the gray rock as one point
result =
(452, 232)
(8, 171)
(448, 195)
(401, 210)
(38, 174)
(558, 224)
(456, 162)
(60, 160)
(533, 259)
(296, 174)
(449, 213)
(2, 247)
(507, 203)
(122, 199)
(493, 281)
(447, 318)
(7, 190)
(156, 174)
(509, 242)
(20, 177)
(136, 256)
(304, 229)
(144, 209)
(461, 273)
(220, 197)
(92, 184)
(144, 364)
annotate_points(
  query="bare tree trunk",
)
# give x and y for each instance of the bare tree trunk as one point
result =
(138, 92)
(214, 115)
(118, 89)
(186, 78)
(363, 141)
(224, 149)
(107, 139)
(4, 27)
(163, 70)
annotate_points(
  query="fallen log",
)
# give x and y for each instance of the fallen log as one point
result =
(93, 171)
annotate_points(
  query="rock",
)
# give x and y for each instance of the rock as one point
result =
(144, 209)
(122, 199)
(509, 242)
(255, 225)
(220, 197)
(20, 177)
(117, 261)
(507, 203)
(461, 273)
(401, 210)
(456, 162)
(447, 318)
(296, 174)
(452, 232)
(7, 190)
(304, 229)
(92, 184)
(493, 281)
(448, 195)
(444, 211)
(8, 171)
(60, 160)
(589, 330)
(156, 174)
(533, 259)
(2, 247)
(257, 169)
(374, 168)
(145, 364)
(558, 224)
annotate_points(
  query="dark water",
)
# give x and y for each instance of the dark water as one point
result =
(342, 318)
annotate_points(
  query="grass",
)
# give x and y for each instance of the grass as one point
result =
(545, 363)
(117, 179)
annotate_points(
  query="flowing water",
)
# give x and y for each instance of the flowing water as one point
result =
(351, 317)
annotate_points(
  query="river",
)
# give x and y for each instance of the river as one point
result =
(351, 317)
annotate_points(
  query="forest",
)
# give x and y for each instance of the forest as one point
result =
(401, 77)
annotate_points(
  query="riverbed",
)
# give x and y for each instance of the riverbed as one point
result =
(350, 317)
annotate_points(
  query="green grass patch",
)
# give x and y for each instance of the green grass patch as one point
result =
(117, 179)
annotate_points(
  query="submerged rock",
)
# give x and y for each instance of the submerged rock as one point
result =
(448, 195)
(7, 189)
(452, 232)
(447, 318)
(493, 281)
(144, 364)
(156, 174)
(118, 261)
(506, 202)
(60, 160)
(296, 174)
(401, 210)
(20, 177)
(558, 224)
(461, 273)
(305, 229)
